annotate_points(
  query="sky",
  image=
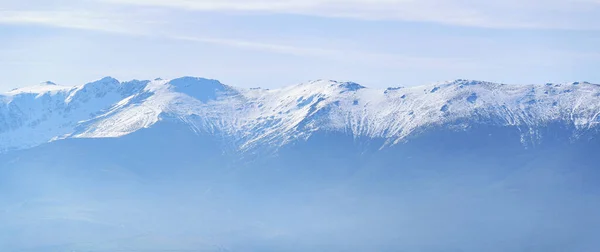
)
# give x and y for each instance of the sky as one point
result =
(274, 43)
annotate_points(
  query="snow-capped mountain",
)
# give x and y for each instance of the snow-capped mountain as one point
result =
(249, 117)
(191, 164)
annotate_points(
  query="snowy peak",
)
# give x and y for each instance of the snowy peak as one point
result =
(104, 85)
(42, 88)
(330, 85)
(199, 88)
(465, 82)
(258, 117)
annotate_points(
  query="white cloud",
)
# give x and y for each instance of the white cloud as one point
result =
(391, 59)
(141, 25)
(79, 19)
(113, 23)
(544, 14)
(532, 14)
(277, 48)
(150, 18)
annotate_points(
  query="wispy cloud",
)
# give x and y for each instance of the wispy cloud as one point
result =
(507, 14)
(112, 23)
(532, 14)
(277, 48)
(366, 57)
(179, 20)
(76, 19)
(146, 26)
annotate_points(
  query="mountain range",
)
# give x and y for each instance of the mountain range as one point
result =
(192, 164)
(248, 118)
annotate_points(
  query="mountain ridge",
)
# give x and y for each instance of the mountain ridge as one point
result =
(196, 165)
(274, 117)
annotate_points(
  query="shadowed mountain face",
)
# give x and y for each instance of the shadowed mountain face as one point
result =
(170, 188)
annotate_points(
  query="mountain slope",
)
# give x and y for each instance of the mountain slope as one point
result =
(252, 117)
(166, 188)
(189, 165)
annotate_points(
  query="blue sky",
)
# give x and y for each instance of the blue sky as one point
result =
(271, 43)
